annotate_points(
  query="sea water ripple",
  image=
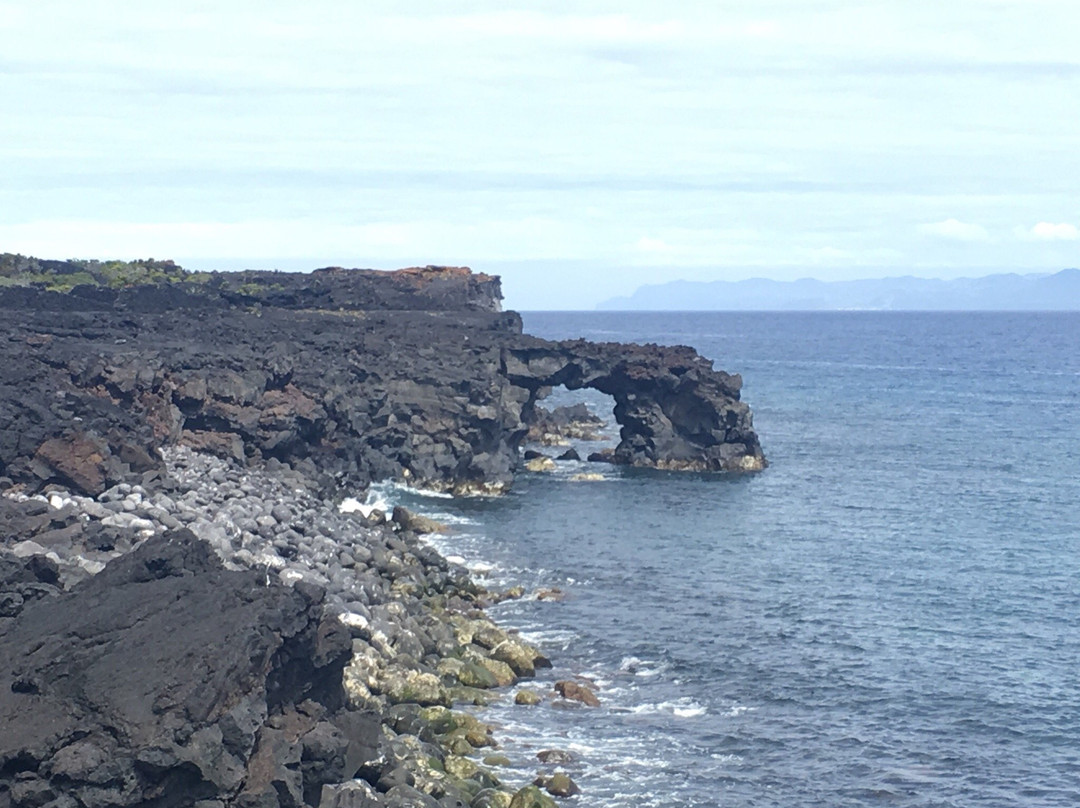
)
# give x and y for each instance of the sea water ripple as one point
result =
(886, 616)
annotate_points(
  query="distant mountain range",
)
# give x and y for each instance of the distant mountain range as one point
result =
(1006, 292)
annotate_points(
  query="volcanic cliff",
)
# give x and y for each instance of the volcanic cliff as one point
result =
(415, 375)
(186, 619)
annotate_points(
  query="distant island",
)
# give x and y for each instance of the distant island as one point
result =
(1059, 291)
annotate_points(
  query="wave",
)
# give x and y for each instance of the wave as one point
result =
(388, 488)
(680, 708)
(643, 668)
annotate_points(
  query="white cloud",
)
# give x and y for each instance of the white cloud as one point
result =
(604, 28)
(653, 245)
(956, 229)
(390, 243)
(252, 239)
(1049, 231)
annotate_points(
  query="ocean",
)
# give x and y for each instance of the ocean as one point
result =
(888, 615)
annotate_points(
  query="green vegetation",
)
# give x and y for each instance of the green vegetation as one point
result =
(63, 276)
(251, 288)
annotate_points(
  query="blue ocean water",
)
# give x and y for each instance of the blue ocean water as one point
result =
(888, 615)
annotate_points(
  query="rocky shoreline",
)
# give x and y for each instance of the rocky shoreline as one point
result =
(186, 617)
(400, 633)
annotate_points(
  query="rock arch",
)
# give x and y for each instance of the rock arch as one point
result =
(674, 410)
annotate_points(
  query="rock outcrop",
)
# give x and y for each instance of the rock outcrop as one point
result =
(147, 683)
(413, 375)
(167, 679)
(675, 411)
(185, 619)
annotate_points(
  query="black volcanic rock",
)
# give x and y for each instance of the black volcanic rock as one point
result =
(675, 410)
(167, 679)
(361, 375)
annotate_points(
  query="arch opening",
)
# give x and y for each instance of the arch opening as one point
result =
(569, 427)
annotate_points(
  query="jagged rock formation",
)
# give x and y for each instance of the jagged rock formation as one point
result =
(160, 676)
(675, 410)
(168, 680)
(165, 680)
(362, 375)
(154, 286)
(555, 427)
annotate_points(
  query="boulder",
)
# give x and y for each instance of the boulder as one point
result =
(531, 797)
(527, 697)
(522, 658)
(79, 459)
(554, 756)
(558, 784)
(414, 687)
(353, 794)
(577, 692)
(193, 660)
(415, 522)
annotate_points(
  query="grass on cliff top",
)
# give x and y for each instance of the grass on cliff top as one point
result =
(63, 276)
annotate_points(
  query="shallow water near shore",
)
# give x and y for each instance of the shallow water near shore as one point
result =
(885, 616)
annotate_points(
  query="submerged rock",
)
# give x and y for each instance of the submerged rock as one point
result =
(577, 692)
(555, 756)
(558, 784)
(587, 477)
(531, 797)
(539, 464)
(416, 522)
(527, 697)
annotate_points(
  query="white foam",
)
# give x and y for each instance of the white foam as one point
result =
(353, 505)
(392, 489)
(689, 712)
(726, 758)
(682, 708)
(738, 710)
(450, 518)
(551, 636)
(639, 667)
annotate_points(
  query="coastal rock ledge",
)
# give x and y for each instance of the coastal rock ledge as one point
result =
(357, 375)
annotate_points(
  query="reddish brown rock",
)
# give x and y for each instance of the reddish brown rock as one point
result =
(576, 692)
(78, 459)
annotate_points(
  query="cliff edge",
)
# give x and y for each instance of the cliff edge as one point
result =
(360, 375)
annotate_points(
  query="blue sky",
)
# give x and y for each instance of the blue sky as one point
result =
(578, 149)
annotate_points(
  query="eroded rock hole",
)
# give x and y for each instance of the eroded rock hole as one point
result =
(570, 426)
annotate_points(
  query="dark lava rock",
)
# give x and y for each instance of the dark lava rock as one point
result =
(167, 679)
(548, 426)
(355, 374)
(569, 454)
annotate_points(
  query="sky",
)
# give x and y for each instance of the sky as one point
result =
(577, 149)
